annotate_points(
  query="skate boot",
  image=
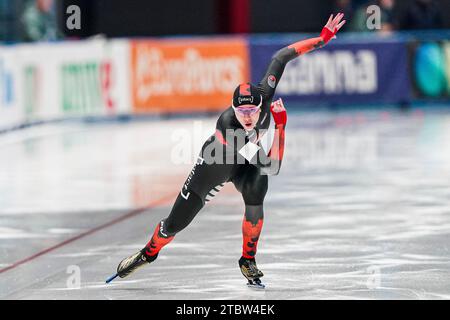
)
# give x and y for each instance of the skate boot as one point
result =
(251, 272)
(128, 265)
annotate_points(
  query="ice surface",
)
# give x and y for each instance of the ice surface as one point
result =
(360, 210)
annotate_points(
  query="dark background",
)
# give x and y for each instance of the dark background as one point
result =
(142, 18)
(135, 18)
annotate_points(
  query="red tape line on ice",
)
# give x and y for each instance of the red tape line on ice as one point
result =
(126, 216)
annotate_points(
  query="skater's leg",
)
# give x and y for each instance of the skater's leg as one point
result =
(182, 214)
(204, 182)
(253, 186)
(251, 230)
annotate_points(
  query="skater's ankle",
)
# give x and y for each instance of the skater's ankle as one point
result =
(245, 258)
(148, 256)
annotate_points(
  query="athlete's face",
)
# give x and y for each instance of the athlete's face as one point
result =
(247, 116)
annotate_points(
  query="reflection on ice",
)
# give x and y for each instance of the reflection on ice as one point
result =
(359, 210)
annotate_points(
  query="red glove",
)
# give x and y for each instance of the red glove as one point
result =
(332, 27)
(279, 112)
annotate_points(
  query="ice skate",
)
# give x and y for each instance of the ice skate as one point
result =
(128, 265)
(251, 272)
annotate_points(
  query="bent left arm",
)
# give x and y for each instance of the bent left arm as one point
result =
(272, 163)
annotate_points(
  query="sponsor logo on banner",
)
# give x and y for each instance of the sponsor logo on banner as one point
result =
(87, 87)
(447, 64)
(339, 72)
(6, 85)
(342, 73)
(31, 90)
(179, 75)
(430, 72)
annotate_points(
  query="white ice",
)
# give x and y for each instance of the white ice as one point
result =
(361, 209)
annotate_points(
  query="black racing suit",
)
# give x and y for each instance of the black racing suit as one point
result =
(249, 175)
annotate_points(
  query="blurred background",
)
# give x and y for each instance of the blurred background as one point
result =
(104, 106)
(390, 52)
(138, 18)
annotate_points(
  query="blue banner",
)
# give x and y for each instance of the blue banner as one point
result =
(340, 72)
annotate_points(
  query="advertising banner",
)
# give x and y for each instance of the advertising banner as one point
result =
(48, 81)
(187, 75)
(430, 71)
(74, 79)
(340, 72)
(11, 114)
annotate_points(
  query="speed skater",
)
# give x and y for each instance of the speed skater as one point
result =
(222, 159)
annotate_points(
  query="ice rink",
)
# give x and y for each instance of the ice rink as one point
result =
(360, 210)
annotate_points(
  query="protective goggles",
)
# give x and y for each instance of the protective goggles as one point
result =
(246, 110)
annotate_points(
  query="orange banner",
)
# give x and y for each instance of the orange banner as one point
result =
(187, 75)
